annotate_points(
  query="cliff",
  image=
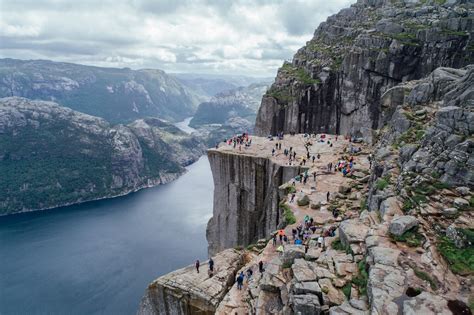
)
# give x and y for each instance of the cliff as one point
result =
(185, 291)
(52, 156)
(334, 84)
(246, 194)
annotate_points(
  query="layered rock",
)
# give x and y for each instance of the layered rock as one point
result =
(53, 156)
(246, 198)
(335, 83)
(185, 291)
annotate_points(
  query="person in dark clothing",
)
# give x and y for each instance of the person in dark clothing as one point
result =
(197, 265)
(306, 246)
(240, 280)
(314, 176)
(211, 264)
(314, 158)
(319, 156)
(260, 267)
(274, 238)
(327, 196)
(249, 274)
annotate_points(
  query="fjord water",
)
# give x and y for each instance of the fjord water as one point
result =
(98, 257)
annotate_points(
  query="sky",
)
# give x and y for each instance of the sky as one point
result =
(199, 36)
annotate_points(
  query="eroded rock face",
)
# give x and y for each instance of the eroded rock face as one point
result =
(335, 83)
(403, 223)
(185, 291)
(245, 198)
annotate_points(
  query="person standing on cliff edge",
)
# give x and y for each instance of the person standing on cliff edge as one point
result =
(197, 265)
(211, 264)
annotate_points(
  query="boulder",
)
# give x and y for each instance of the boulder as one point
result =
(313, 253)
(302, 271)
(331, 295)
(403, 223)
(385, 285)
(461, 203)
(272, 279)
(303, 200)
(352, 231)
(306, 304)
(311, 287)
(291, 252)
(426, 303)
(463, 191)
(450, 212)
(384, 255)
(343, 189)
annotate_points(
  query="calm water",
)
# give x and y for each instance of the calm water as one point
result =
(184, 125)
(98, 257)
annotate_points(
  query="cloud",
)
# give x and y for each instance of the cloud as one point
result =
(211, 36)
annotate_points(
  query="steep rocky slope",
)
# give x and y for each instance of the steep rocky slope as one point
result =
(52, 156)
(334, 84)
(117, 95)
(403, 241)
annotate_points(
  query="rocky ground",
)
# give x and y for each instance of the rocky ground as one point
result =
(403, 240)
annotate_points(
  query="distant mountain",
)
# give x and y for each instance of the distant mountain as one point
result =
(242, 102)
(211, 85)
(52, 156)
(117, 95)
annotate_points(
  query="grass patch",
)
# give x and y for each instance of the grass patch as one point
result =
(407, 205)
(286, 265)
(346, 289)
(337, 245)
(460, 260)
(412, 238)
(381, 184)
(426, 277)
(361, 279)
(419, 198)
(288, 214)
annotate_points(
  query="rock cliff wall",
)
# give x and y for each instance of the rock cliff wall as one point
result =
(334, 84)
(245, 198)
(185, 291)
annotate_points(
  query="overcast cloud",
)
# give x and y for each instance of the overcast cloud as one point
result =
(206, 36)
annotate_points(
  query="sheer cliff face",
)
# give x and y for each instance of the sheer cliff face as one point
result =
(245, 198)
(334, 84)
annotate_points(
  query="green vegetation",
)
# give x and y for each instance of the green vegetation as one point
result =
(426, 277)
(299, 74)
(362, 277)
(363, 204)
(286, 265)
(460, 260)
(337, 245)
(288, 214)
(346, 289)
(290, 189)
(383, 182)
(412, 238)
(282, 95)
(407, 205)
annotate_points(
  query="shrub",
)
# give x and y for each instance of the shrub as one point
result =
(361, 279)
(460, 260)
(288, 214)
(412, 238)
(381, 184)
(347, 290)
(337, 245)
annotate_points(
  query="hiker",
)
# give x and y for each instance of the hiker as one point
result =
(313, 158)
(308, 155)
(273, 152)
(314, 176)
(260, 267)
(240, 280)
(293, 232)
(292, 197)
(197, 265)
(274, 239)
(319, 156)
(304, 161)
(285, 239)
(279, 146)
(306, 247)
(294, 154)
(211, 264)
(327, 196)
(298, 242)
(249, 274)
